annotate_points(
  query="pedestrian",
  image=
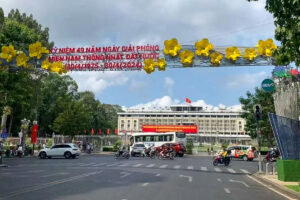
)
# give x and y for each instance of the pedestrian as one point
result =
(208, 151)
(212, 150)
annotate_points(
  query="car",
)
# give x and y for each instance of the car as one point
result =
(177, 147)
(67, 150)
(241, 152)
(137, 149)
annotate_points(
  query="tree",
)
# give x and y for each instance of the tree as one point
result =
(265, 99)
(287, 22)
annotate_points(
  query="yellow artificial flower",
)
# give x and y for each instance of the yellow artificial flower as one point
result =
(266, 48)
(22, 60)
(46, 65)
(232, 53)
(149, 66)
(215, 58)
(203, 47)
(58, 67)
(250, 54)
(172, 47)
(186, 57)
(8, 53)
(161, 64)
(37, 50)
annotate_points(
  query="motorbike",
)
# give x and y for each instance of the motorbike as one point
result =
(221, 160)
(122, 154)
(270, 157)
(166, 154)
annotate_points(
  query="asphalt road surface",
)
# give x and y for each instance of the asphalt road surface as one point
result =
(105, 178)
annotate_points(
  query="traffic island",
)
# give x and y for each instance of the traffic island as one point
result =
(288, 170)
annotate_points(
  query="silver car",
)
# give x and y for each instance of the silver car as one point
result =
(137, 149)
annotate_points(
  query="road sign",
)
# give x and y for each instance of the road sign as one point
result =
(4, 135)
(268, 85)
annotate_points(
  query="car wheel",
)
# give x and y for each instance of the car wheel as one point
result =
(245, 158)
(49, 157)
(43, 155)
(73, 156)
(68, 155)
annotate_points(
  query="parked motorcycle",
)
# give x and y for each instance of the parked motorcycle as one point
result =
(122, 154)
(271, 157)
(166, 154)
(221, 160)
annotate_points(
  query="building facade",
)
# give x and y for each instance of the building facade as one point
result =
(222, 125)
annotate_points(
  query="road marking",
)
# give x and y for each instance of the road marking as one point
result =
(145, 184)
(157, 175)
(204, 168)
(114, 164)
(245, 171)
(124, 174)
(231, 170)
(88, 164)
(242, 182)
(151, 165)
(46, 185)
(49, 175)
(100, 164)
(227, 190)
(163, 166)
(190, 167)
(217, 169)
(189, 177)
(137, 165)
(177, 167)
(124, 165)
(270, 188)
(220, 180)
(35, 171)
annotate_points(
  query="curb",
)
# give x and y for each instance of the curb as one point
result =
(278, 187)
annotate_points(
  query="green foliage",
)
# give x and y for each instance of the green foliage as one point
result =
(49, 143)
(189, 147)
(287, 22)
(108, 149)
(117, 145)
(265, 99)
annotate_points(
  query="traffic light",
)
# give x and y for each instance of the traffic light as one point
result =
(257, 112)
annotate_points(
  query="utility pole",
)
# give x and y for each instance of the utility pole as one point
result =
(257, 116)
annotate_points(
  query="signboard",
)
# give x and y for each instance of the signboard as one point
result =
(98, 58)
(170, 128)
(268, 85)
(4, 134)
(34, 131)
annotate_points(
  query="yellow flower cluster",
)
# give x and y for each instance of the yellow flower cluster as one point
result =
(8, 53)
(203, 47)
(172, 47)
(186, 57)
(266, 48)
(150, 65)
(22, 60)
(250, 54)
(37, 50)
(232, 53)
(215, 58)
(161, 64)
(56, 67)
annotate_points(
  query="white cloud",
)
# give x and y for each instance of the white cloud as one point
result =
(248, 80)
(169, 83)
(163, 102)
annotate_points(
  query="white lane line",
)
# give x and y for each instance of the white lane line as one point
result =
(190, 167)
(231, 170)
(270, 188)
(203, 168)
(124, 174)
(151, 165)
(137, 165)
(227, 190)
(112, 165)
(242, 182)
(219, 180)
(145, 184)
(217, 169)
(100, 164)
(124, 165)
(157, 175)
(88, 164)
(35, 171)
(177, 167)
(189, 177)
(245, 171)
(49, 175)
(163, 166)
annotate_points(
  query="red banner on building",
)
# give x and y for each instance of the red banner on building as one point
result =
(34, 131)
(170, 128)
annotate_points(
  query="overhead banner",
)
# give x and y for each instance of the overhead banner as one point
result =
(170, 128)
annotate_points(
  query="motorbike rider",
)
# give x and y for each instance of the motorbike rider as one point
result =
(121, 150)
(223, 155)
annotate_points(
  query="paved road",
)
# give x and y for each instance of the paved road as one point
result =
(104, 178)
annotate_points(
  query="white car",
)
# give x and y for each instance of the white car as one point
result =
(68, 150)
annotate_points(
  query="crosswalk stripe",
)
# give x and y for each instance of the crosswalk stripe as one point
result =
(124, 165)
(231, 170)
(112, 165)
(190, 167)
(100, 164)
(245, 171)
(177, 167)
(204, 168)
(151, 165)
(137, 165)
(88, 164)
(163, 166)
(217, 169)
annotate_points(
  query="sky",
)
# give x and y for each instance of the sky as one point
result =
(122, 22)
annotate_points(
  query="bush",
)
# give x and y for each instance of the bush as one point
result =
(108, 149)
(117, 145)
(49, 143)
(189, 147)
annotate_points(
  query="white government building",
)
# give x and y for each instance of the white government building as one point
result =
(214, 125)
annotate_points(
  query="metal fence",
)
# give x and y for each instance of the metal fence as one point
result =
(287, 135)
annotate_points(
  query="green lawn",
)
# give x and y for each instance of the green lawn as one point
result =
(204, 148)
(294, 187)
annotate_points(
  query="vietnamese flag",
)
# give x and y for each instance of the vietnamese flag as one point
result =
(92, 131)
(107, 131)
(34, 131)
(116, 131)
(188, 100)
(100, 131)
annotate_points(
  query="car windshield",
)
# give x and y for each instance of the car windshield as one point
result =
(139, 145)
